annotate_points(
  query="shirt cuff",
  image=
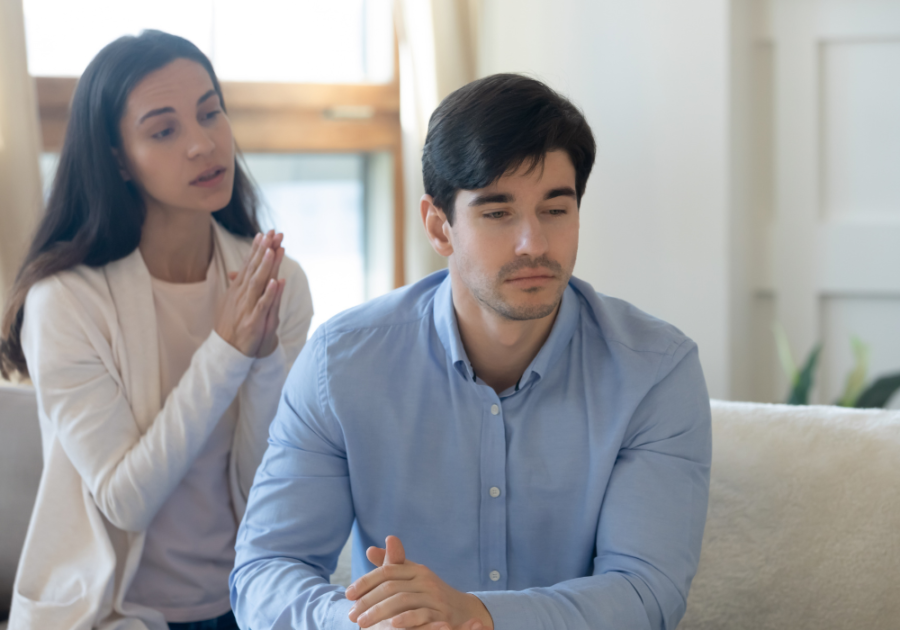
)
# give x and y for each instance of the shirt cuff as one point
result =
(509, 609)
(223, 351)
(339, 619)
(272, 364)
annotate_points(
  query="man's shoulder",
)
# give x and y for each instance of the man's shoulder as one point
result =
(626, 327)
(395, 311)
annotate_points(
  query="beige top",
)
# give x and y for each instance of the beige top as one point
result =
(112, 453)
(189, 549)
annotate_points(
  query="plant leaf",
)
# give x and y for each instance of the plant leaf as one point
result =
(800, 391)
(856, 380)
(784, 354)
(879, 393)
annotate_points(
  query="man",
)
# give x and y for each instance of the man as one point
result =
(534, 455)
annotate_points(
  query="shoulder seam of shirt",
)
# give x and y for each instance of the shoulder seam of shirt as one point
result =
(322, 377)
(352, 329)
(674, 351)
(668, 350)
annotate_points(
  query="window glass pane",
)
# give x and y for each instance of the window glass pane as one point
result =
(318, 202)
(64, 35)
(333, 41)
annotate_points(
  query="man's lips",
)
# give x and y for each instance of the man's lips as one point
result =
(209, 176)
(531, 277)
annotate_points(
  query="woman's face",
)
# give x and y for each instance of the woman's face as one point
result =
(177, 145)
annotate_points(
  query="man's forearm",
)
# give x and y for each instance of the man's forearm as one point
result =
(602, 602)
(281, 594)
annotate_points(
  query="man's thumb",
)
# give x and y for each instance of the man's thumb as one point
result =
(395, 552)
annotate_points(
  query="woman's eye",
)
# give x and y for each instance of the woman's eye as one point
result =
(212, 114)
(159, 135)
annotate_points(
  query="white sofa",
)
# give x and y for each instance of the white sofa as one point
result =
(20, 474)
(803, 528)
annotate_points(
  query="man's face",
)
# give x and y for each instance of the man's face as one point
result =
(514, 242)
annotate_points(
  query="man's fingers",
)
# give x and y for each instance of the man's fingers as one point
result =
(376, 555)
(395, 552)
(394, 605)
(420, 619)
(471, 624)
(373, 579)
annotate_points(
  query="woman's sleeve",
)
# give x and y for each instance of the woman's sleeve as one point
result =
(260, 393)
(129, 474)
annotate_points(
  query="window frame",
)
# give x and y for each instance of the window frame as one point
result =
(285, 118)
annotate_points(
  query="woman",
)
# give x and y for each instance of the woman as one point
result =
(158, 332)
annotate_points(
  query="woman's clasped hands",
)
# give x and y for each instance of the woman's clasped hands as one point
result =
(248, 319)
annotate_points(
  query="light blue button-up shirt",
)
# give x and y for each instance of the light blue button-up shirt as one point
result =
(573, 500)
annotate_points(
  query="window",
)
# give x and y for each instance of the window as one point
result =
(313, 98)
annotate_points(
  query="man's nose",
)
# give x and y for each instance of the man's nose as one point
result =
(532, 238)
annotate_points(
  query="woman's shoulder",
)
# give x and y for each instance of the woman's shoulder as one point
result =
(76, 285)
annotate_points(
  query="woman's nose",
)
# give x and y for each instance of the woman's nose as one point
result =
(201, 142)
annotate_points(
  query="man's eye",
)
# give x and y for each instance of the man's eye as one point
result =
(497, 214)
(557, 211)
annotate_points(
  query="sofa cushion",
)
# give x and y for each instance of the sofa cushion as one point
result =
(20, 474)
(804, 520)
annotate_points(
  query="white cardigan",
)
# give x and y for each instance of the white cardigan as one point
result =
(112, 455)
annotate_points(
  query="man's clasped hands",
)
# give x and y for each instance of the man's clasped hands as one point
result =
(399, 593)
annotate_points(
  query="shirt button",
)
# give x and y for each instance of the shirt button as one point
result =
(494, 492)
(495, 409)
(495, 576)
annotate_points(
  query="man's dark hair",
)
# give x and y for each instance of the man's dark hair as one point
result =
(493, 126)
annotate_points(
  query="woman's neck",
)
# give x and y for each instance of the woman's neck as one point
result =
(177, 245)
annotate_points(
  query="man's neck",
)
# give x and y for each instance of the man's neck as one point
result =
(500, 349)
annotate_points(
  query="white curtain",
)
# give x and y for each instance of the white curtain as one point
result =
(438, 42)
(20, 178)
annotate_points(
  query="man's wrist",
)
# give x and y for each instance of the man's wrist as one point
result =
(480, 612)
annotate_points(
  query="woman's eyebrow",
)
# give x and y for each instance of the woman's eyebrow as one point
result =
(156, 112)
(206, 96)
(171, 110)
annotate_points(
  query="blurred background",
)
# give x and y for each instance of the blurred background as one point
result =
(747, 177)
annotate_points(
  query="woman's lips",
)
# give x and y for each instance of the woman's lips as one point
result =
(210, 178)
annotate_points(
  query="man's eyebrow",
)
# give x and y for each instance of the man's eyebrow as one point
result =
(564, 191)
(483, 200)
(171, 110)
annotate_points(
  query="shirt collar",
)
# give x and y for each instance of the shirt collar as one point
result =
(448, 331)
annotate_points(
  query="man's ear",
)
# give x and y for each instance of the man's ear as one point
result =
(123, 170)
(436, 226)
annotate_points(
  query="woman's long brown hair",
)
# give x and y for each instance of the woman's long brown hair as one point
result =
(93, 216)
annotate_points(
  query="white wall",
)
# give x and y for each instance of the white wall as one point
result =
(652, 77)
